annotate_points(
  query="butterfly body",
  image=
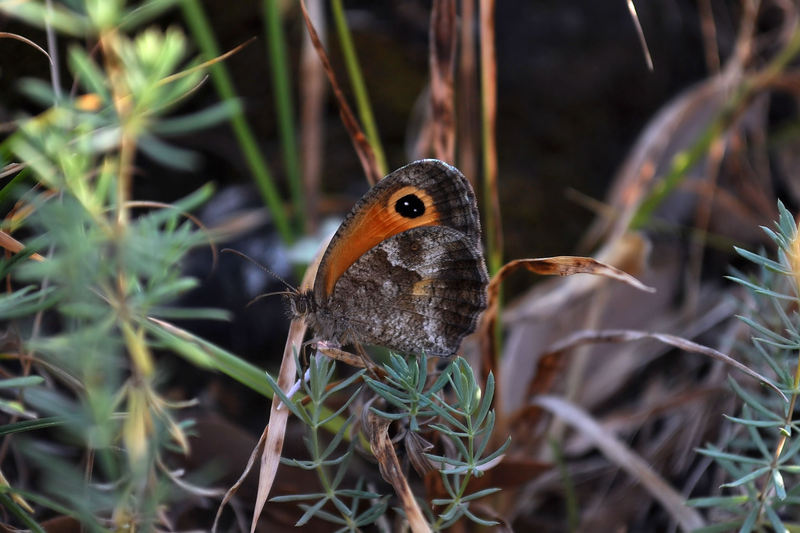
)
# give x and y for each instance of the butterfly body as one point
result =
(405, 269)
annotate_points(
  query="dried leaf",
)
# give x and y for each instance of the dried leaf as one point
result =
(279, 415)
(390, 468)
(566, 266)
(312, 111)
(467, 121)
(276, 430)
(559, 265)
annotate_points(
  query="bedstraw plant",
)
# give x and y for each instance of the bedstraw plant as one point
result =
(760, 456)
(446, 412)
(90, 289)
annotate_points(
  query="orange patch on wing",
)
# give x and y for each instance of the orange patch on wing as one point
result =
(372, 225)
(422, 287)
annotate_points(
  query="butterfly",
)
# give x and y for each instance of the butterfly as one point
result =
(405, 269)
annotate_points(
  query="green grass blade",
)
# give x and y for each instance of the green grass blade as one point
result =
(358, 84)
(205, 354)
(200, 28)
(19, 512)
(284, 106)
(30, 425)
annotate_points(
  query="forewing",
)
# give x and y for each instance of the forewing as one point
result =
(448, 199)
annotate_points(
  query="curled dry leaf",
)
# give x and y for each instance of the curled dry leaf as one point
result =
(392, 472)
(565, 266)
(559, 265)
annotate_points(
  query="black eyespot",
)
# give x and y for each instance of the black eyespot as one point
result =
(410, 206)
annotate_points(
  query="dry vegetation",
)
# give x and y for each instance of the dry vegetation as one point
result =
(589, 401)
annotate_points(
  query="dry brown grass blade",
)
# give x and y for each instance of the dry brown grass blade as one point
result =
(467, 121)
(7, 35)
(708, 28)
(629, 421)
(640, 34)
(494, 228)
(360, 142)
(278, 416)
(625, 335)
(11, 168)
(443, 41)
(14, 246)
(390, 468)
(205, 64)
(621, 455)
(312, 99)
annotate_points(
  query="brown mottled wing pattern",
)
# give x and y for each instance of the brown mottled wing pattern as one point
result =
(427, 298)
(453, 205)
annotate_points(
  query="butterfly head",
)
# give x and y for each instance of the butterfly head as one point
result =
(300, 304)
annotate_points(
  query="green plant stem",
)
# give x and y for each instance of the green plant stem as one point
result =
(462, 487)
(762, 497)
(200, 28)
(322, 473)
(685, 160)
(284, 107)
(359, 87)
(7, 502)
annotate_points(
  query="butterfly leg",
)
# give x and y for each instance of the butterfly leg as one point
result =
(372, 368)
(359, 360)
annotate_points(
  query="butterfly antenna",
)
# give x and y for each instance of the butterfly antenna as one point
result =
(265, 269)
(257, 298)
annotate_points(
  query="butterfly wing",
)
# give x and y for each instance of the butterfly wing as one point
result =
(419, 291)
(423, 193)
